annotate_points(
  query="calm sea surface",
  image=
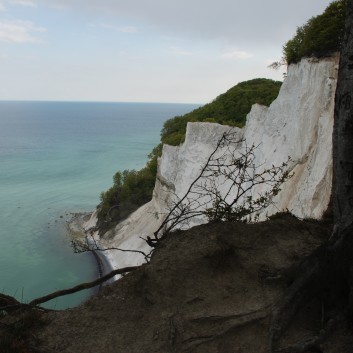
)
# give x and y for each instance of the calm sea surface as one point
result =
(56, 158)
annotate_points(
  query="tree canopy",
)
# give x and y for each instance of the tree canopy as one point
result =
(229, 108)
(320, 36)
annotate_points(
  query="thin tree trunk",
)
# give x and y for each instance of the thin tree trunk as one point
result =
(328, 269)
(342, 187)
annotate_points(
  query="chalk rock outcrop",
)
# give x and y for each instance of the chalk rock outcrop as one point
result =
(298, 124)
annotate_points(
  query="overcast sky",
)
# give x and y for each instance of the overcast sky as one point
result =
(141, 50)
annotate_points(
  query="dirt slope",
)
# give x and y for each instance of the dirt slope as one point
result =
(206, 290)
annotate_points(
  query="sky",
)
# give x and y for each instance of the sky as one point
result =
(177, 51)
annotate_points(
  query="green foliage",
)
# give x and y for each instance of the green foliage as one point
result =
(130, 190)
(229, 108)
(320, 36)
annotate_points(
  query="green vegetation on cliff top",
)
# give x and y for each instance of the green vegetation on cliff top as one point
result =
(320, 36)
(229, 108)
(132, 188)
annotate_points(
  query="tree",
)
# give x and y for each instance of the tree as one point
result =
(131, 189)
(229, 108)
(343, 132)
(224, 190)
(320, 36)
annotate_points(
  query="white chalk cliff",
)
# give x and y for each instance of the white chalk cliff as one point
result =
(298, 124)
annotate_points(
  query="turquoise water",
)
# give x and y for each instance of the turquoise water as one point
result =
(56, 158)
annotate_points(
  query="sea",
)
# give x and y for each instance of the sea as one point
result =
(55, 160)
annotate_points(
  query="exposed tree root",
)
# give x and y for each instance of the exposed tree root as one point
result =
(232, 322)
(312, 344)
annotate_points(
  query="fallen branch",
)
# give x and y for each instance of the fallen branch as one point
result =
(82, 286)
(13, 304)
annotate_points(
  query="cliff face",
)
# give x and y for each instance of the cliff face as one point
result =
(297, 124)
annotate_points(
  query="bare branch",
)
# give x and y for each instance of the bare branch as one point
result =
(10, 304)
(223, 190)
(82, 286)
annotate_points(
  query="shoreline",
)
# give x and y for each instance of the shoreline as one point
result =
(78, 232)
(123, 246)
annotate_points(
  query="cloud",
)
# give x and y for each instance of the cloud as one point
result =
(234, 21)
(122, 29)
(237, 54)
(2, 6)
(28, 3)
(16, 31)
(179, 51)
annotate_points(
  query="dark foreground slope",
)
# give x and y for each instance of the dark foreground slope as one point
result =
(209, 289)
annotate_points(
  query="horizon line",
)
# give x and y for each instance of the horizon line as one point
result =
(91, 101)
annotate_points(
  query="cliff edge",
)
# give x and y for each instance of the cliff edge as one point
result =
(298, 124)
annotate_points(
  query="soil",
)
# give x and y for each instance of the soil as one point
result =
(210, 289)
